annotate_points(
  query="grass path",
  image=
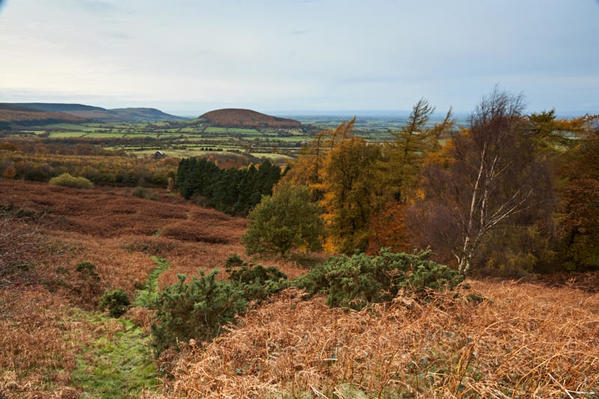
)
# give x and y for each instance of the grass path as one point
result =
(149, 293)
(118, 363)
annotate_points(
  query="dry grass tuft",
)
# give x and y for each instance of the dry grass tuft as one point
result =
(524, 340)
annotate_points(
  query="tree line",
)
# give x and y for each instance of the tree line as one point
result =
(233, 191)
(509, 194)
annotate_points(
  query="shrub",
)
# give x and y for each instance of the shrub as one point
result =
(87, 271)
(142, 192)
(258, 282)
(199, 309)
(196, 310)
(117, 301)
(234, 260)
(361, 279)
(67, 180)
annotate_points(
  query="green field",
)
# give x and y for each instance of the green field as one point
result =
(195, 137)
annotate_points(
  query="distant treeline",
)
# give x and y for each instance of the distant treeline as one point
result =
(233, 191)
(36, 161)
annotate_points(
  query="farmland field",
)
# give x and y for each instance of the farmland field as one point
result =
(196, 138)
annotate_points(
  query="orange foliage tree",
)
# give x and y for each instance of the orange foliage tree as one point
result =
(351, 195)
(580, 198)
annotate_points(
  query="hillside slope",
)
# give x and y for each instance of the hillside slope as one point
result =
(100, 114)
(235, 117)
(20, 115)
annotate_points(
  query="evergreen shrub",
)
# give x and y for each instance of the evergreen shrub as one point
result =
(198, 310)
(117, 301)
(362, 279)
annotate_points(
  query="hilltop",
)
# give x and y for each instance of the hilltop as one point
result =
(81, 113)
(235, 117)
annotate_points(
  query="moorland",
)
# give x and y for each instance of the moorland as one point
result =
(410, 258)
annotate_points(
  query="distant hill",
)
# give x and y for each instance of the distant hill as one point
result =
(99, 114)
(144, 115)
(234, 117)
(19, 115)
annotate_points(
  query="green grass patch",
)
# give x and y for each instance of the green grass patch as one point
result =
(105, 135)
(62, 135)
(118, 365)
(147, 295)
(70, 126)
(231, 130)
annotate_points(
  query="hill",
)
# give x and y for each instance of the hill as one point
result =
(143, 115)
(20, 115)
(100, 114)
(234, 117)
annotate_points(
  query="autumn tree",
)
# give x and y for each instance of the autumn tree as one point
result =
(402, 157)
(495, 179)
(351, 196)
(399, 171)
(309, 168)
(580, 200)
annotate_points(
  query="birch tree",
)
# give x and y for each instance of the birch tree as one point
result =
(494, 177)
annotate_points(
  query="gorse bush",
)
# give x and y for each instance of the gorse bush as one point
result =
(234, 260)
(258, 282)
(362, 279)
(67, 180)
(116, 301)
(198, 310)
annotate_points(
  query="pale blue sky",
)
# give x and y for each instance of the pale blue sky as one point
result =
(190, 56)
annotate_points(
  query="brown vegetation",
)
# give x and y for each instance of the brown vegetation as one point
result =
(41, 336)
(117, 231)
(47, 232)
(523, 340)
(32, 350)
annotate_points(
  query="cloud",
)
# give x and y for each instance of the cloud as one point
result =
(304, 31)
(301, 54)
(96, 5)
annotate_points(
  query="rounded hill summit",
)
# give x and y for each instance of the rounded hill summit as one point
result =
(237, 117)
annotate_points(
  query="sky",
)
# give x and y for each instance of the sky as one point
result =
(300, 56)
